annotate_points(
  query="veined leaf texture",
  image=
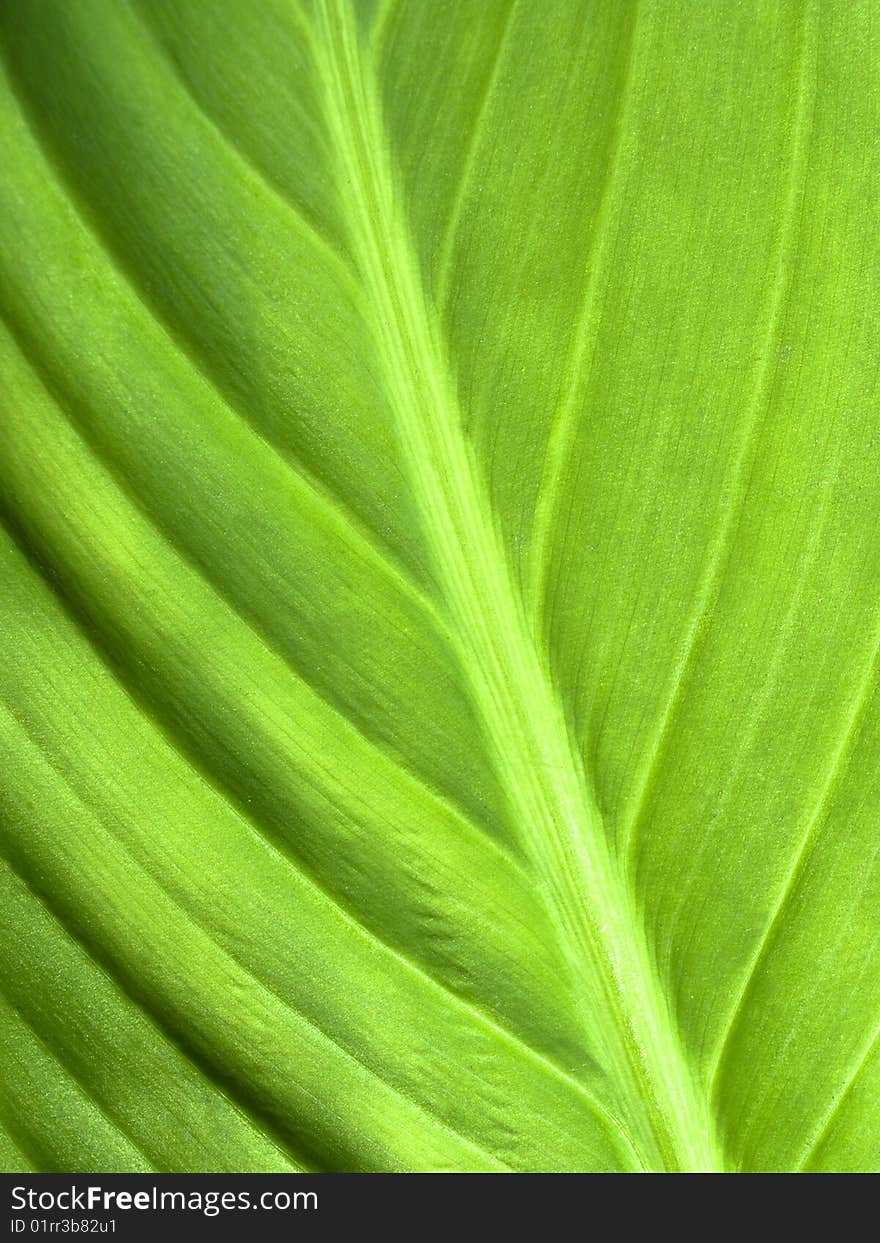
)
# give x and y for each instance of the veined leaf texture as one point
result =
(440, 585)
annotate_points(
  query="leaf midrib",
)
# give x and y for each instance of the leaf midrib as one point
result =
(523, 716)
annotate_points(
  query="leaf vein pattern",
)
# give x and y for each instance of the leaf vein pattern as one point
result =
(350, 1055)
(524, 720)
(281, 852)
(82, 1087)
(314, 491)
(724, 539)
(583, 340)
(150, 1011)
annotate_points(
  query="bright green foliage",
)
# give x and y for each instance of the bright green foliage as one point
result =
(440, 585)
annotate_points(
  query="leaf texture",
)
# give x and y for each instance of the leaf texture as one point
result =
(440, 563)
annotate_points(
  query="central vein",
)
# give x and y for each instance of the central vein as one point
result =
(534, 753)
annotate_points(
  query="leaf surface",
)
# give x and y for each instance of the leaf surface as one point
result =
(440, 564)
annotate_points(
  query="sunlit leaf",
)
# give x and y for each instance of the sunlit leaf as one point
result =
(440, 585)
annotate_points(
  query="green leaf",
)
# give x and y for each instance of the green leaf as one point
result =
(440, 577)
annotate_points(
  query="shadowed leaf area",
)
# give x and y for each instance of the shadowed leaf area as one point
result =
(440, 563)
